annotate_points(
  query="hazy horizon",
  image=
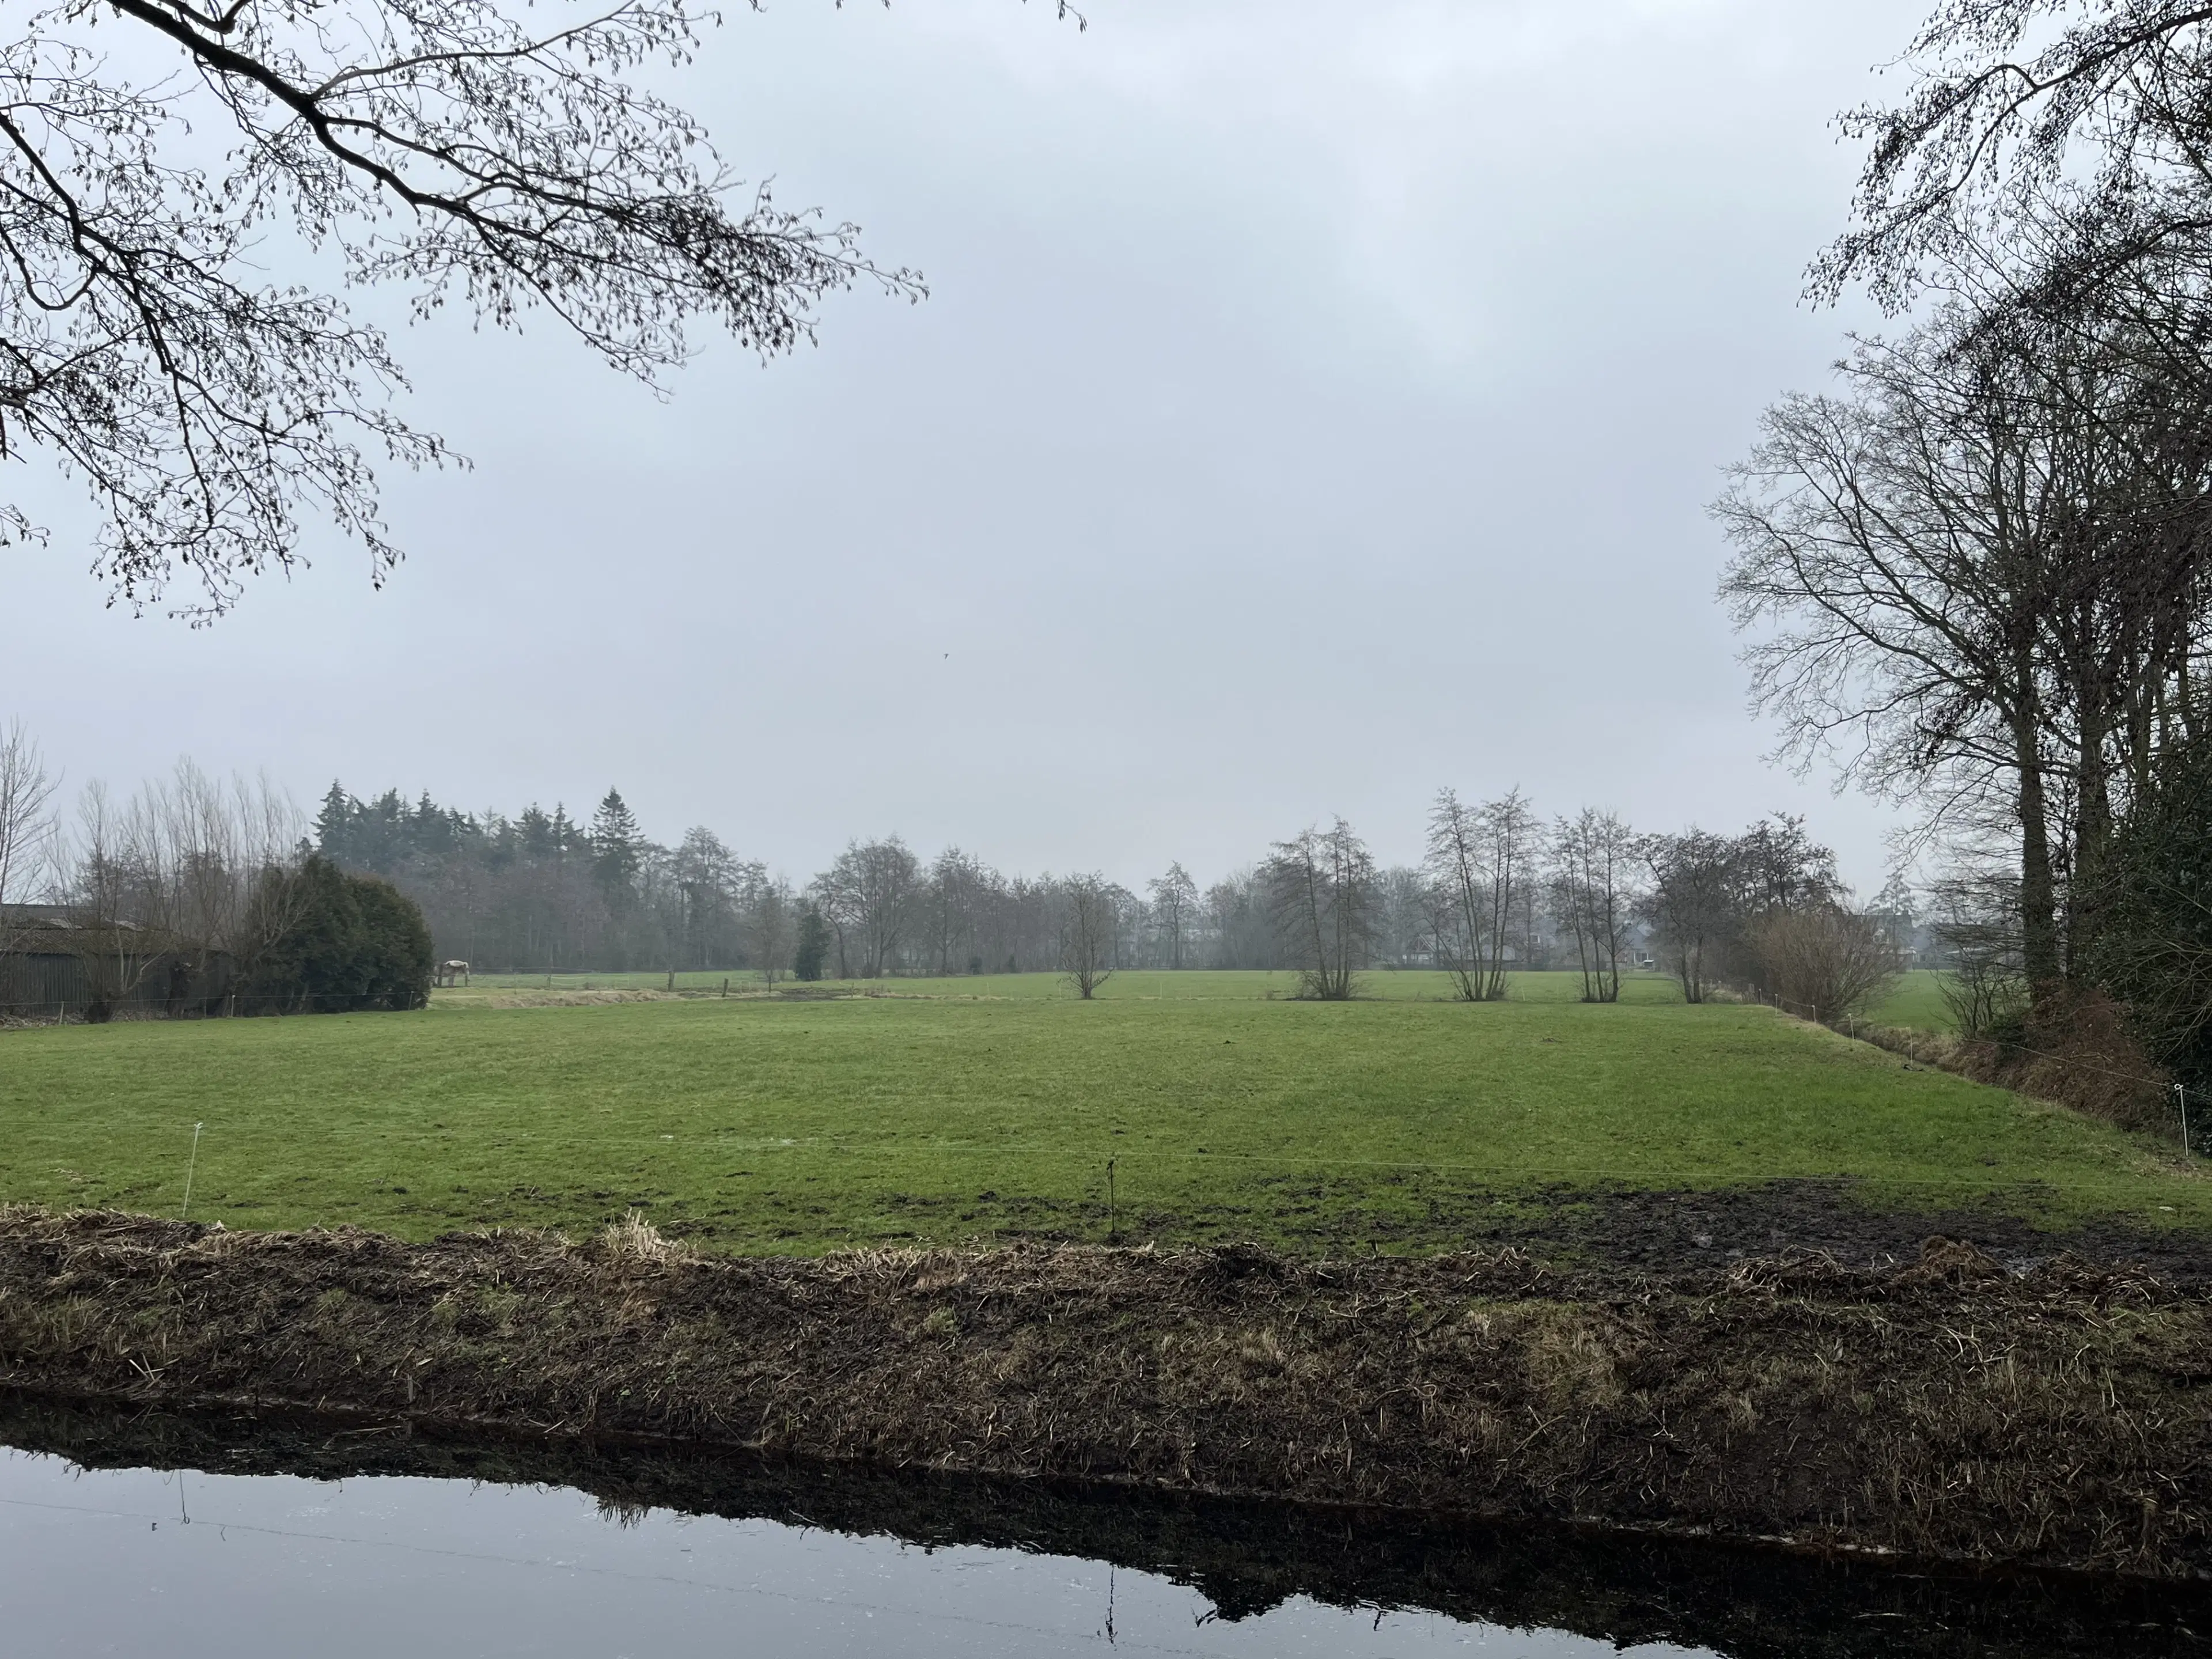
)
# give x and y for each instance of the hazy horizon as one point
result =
(1311, 409)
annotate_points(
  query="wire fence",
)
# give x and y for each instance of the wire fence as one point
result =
(99, 1011)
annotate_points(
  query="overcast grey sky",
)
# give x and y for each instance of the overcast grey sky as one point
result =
(1317, 404)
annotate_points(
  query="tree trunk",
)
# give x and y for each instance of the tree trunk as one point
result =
(2038, 928)
(2092, 815)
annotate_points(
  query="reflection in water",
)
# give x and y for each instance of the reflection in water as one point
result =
(138, 1561)
(312, 1540)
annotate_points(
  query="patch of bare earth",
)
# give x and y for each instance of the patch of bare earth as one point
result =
(1945, 1409)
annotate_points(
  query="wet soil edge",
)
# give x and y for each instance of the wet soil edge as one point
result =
(1244, 1557)
(1950, 1409)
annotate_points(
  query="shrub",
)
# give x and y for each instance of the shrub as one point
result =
(1824, 960)
(353, 942)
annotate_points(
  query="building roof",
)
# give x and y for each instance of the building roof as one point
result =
(51, 919)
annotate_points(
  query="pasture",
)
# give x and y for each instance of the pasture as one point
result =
(1915, 1002)
(990, 1108)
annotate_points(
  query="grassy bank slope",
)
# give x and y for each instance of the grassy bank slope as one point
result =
(771, 1126)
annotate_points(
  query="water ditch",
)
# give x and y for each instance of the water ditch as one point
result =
(242, 1534)
(1952, 1409)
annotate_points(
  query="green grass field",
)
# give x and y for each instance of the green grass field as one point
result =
(981, 1108)
(1915, 1003)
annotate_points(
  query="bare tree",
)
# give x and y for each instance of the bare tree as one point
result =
(771, 927)
(500, 163)
(1693, 904)
(2098, 109)
(1779, 866)
(1409, 918)
(1511, 832)
(1467, 930)
(1321, 889)
(1238, 910)
(1825, 962)
(213, 871)
(871, 892)
(950, 907)
(1175, 898)
(1592, 873)
(1089, 932)
(1977, 930)
(1894, 550)
(26, 826)
(1128, 912)
(705, 881)
(99, 880)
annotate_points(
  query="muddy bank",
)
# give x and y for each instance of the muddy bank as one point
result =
(1671, 1231)
(1946, 1409)
(1245, 1558)
(1567, 1225)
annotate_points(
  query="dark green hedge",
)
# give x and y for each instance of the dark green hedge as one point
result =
(352, 943)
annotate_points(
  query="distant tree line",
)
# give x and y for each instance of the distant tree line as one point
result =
(224, 887)
(1501, 890)
(541, 890)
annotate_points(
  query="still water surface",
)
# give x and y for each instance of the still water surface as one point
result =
(187, 1566)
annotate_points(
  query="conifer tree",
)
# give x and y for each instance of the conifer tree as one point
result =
(617, 843)
(431, 829)
(535, 831)
(380, 836)
(813, 945)
(334, 825)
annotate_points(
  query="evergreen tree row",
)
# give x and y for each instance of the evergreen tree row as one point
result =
(540, 891)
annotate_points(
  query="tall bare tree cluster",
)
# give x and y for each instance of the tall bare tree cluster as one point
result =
(27, 827)
(887, 911)
(1481, 866)
(1323, 889)
(1975, 574)
(190, 877)
(1594, 895)
(1764, 912)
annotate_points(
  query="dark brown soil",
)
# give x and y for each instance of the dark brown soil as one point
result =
(1578, 1226)
(1693, 1231)
(1947, 1408)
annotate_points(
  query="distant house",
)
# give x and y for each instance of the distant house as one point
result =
(1897, 926)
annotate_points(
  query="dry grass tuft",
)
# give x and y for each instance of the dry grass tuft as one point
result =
(634, 1241)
